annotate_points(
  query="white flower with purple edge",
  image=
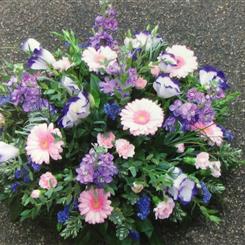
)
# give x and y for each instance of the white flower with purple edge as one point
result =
(7, 152)
(166, 87)
(211, 77)
(70, 85)
(30, 45)
(41, 59)
(183, 188)
(76, 108)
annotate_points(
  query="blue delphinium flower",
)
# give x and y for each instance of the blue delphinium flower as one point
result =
(112, 110)
(14, 186)
(63, 215)
(134, 235)
(18, 174)
(228, 135)
(206, 193)
(143, 207)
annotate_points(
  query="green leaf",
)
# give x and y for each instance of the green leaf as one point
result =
(133, 171)
(94, 90)
(122, 233)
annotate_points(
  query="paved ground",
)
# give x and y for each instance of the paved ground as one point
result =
(213, 28)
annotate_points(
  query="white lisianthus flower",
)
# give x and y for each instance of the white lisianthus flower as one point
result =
(30, 45)
(166, 87)
(7, 152)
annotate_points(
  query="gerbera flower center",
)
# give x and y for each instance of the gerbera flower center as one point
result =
(96, 203)
(141, 117)
(46, 141)
(180, 62)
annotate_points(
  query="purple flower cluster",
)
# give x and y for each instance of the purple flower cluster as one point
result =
(132, 77)
(28, 94)
(197, 108)
(96, 168)
(108, 86)
(104, 26)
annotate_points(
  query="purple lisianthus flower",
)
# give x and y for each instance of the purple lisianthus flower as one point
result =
(166, 62)
(183, 189)
(30, 45)
(211, 77)
(166, 87)
(41, 59)
(75, 109)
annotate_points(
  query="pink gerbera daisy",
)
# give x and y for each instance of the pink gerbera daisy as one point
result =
(186, 62)
(44, 142)
(142, 117)
(95, 206)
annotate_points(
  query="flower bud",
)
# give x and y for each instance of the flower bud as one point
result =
(137, 188)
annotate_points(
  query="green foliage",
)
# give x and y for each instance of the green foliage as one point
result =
(72, 227)
(178, 214)
(210, 214)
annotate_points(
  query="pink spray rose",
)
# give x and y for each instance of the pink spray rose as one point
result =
(164, 209)
(35, 194)
(202, 160)
(124, 148)
(106, 140)
(47, 181)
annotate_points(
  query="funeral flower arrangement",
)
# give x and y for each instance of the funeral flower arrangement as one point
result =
(112, 139)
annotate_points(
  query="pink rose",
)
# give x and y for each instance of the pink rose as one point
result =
(124, 148)
(180, 147)
(164, 209)
(35, 194)
(106, 140)
(202, 160)
(155, 71)
(47, 181)
(140, 83)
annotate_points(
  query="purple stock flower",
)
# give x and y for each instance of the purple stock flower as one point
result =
(102, 39)
(169, 123)
(97, 168)
(132, 77)
(109, 86)
(195, 96)
(27, 93)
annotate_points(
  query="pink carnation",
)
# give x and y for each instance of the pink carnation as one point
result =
(106, 140)
(164, 209)
(180, 147)
(62, 65)
(202, 160)
(140, 83)
(47, 181)
(42, 143)
(211, 131)
(95, 206)
(35, 194)
(124, 148)
(155, 70)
